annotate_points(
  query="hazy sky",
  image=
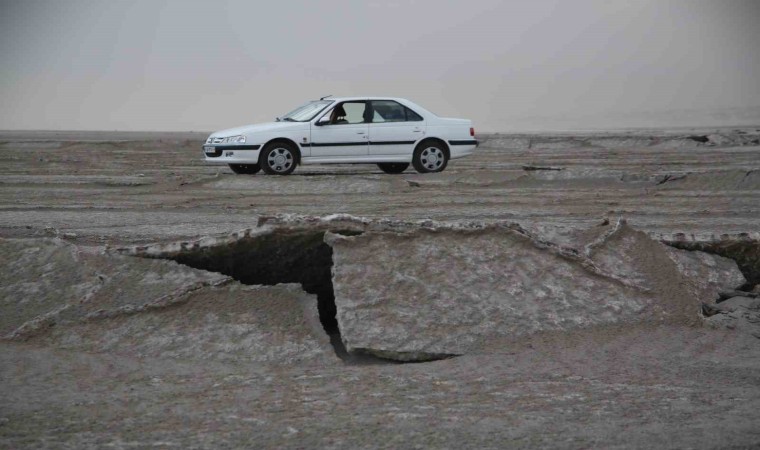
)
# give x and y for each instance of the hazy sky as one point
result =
(205, 65)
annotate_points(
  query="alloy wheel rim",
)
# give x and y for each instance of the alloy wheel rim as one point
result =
(280, 159)
(432, 158)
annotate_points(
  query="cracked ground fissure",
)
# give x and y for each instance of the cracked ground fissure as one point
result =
(746, 253)
(280, 257)
(302, 256)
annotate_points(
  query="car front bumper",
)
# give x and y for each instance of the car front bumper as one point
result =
(231, 154)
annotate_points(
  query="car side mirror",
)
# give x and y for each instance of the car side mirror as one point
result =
(322, 121)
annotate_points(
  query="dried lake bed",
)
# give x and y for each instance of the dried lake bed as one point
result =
(564, 290)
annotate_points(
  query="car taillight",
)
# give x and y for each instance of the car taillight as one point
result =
(472, 131)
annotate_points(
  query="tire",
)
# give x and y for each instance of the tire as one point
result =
(430, 157)
(245, 169)
(279, 158)
(393, 168)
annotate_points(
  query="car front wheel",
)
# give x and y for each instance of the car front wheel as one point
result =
(245, 169)
(278, 158)
(430, 157)
(393, 168)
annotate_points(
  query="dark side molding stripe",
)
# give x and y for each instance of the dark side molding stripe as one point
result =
(337, 144)
(233, 147)
(347, 144)
(391, 143)
(467, 142)
(333, 144)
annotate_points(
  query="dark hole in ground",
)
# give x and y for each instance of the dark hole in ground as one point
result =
(280, 257)
(701, 139)
(746, 253)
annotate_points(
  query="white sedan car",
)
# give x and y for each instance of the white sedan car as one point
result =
(389, 132)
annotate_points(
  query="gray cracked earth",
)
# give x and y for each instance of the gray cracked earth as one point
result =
(586, 290)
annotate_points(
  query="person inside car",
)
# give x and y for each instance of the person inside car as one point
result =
(338, 115)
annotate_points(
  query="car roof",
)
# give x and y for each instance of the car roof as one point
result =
(369, 97)
(408, 103)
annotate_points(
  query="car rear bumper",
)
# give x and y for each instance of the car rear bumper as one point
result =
(462, 148)
(464, 142)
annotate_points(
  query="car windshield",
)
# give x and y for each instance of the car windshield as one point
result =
(306, 112)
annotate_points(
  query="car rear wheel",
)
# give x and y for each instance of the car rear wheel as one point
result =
(430, 157)
(279, 158)
(393, 168)
(245, 169)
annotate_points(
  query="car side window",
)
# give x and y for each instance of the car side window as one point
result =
(348, 113)
(391, 111)
(388, 111)
(412, 116)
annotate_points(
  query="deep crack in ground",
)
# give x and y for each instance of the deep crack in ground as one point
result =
(281, 257)
(746, 253)
(302, 256)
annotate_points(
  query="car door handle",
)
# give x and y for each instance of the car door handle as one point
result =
(361, 132)
(416, 131)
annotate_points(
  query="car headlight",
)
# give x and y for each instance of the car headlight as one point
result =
(235, 140)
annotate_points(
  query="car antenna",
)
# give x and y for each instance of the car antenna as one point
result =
(326, 97)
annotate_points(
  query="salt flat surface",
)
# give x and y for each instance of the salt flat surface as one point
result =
(154, 363)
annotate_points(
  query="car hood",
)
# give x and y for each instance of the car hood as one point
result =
(259, 127)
